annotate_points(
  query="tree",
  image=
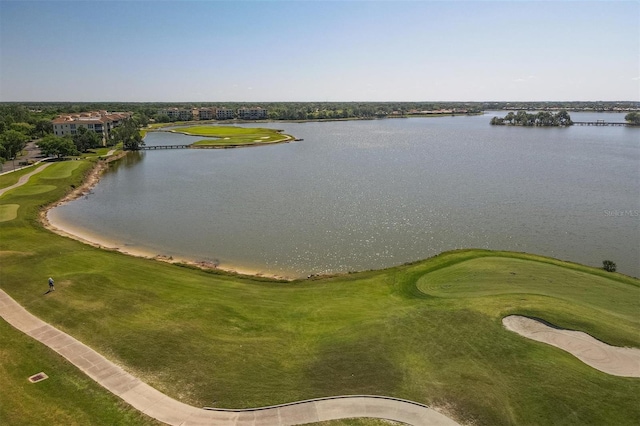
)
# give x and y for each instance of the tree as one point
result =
(13, 142)
(608, 266)
(633, 118)
(129, 135)
(510, 117)
(43, 127)
(563, 118)
(86, 139)
(24, 128)
(52, 145)
(542, 118)
(163, 118)
(141, 119)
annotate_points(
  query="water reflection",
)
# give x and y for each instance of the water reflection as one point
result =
(370, 194)
(130, 160)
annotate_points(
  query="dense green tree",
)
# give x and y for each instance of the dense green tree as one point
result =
(510, 117)
(141, 119)
(541, 118)
(563, 118)
(86, 139)
(24, 128)
(13, 142)
(43, 127)
(609, 265)
(633, 118)
(52, 146)
(163, 118)
(129, 134)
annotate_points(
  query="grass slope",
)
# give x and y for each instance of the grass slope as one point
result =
(428, 331)
(234, 136)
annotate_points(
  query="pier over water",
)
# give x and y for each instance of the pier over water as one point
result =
(601, 123)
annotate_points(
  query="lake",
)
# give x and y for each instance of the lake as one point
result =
(357, 195)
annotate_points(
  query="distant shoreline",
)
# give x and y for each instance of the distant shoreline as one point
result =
(161, 126)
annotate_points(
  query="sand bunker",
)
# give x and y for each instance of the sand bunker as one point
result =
(608, 359)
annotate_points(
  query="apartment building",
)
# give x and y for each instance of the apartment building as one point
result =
(225, 114)
(186, 114)
(100, 122)
(206, 113)
(172, 113)
(256, 113)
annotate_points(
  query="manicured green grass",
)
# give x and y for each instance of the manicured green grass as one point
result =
(233, 136)
(8, 212)
(64, 169)
(67, 397)
(429, 331)
(99, 152)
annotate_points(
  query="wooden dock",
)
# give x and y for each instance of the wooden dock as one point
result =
(598, 123)
(154, 147)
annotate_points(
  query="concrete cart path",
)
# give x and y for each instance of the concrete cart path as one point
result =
(24, 179)
(165, 409)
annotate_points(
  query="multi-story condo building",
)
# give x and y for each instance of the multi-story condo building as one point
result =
(172, 113)
(224, 114)
(185, 114)
(255, 113)
(100, 122)
(206, 113)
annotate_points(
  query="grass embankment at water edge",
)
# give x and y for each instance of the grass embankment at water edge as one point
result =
(429, 331)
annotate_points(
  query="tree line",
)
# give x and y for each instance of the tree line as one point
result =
(540, 118)
(18, 125)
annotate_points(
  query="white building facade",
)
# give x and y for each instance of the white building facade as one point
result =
(100, 122)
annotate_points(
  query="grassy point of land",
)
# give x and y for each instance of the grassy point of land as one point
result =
(227, 136)
(429, 331)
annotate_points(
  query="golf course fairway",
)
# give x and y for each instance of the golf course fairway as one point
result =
(429, 332)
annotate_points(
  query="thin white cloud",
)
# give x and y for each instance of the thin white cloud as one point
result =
(523, 79)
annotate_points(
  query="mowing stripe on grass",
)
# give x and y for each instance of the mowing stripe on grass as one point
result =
(159, 406)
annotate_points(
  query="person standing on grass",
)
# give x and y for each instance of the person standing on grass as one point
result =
(51, 287)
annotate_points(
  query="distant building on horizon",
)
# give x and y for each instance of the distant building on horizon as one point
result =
(206, 113)
(210, 113)
(255, 113)
(225, 114)
(100, 122)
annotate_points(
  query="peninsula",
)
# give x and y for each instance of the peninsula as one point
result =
(231, 136)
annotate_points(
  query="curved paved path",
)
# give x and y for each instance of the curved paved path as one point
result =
(165, 409)
(609, 359)
(24, 179)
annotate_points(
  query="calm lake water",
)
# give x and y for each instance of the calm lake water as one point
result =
(362, 195)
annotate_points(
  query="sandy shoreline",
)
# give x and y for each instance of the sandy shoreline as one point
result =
(54, 224)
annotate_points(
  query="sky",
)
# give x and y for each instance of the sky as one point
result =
(262, 51)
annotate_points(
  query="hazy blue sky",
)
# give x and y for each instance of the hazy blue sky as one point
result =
(319, 50)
